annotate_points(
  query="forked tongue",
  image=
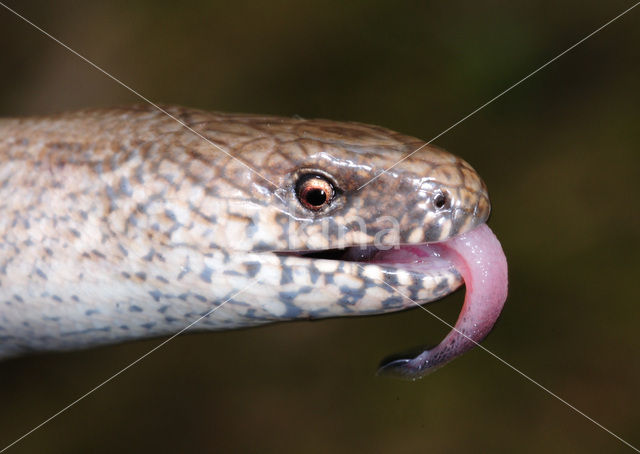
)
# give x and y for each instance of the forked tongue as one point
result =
(479, 258)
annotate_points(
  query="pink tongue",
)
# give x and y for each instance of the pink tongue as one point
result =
(478, 256)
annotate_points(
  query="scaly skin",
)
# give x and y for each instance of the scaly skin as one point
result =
(119, 224)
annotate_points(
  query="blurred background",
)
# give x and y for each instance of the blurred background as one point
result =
(560, 154)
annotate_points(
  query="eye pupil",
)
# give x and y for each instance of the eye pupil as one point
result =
(314, 192)
(316, 197)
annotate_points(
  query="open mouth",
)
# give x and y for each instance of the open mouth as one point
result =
(475, 255)
(419, 258)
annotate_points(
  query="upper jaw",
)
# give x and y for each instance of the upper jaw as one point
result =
(358, 246)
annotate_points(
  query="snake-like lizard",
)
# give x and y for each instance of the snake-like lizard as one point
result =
(120, 224)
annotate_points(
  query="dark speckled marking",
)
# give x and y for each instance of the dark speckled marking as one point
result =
(132, 221)
(134, 308)
(314, 274)
(141, 275)
(205, 275)
(40, 273)
(292, 311)
(392, 301)
(156, 295)
(286, 275)
(171, 215)
(123, 250)
(351, 296)
(104, 329)
(250, 230)
(262, 246)
(252, 268)
(442, 288)
(125, 187)
(433, 231)
(186, 268)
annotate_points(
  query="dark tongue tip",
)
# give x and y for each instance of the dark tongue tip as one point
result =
(412, 367)
(396, 368)
(399, 365)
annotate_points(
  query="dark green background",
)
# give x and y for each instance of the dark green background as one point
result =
(561, 157)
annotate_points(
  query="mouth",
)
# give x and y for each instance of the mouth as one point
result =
(476, 256)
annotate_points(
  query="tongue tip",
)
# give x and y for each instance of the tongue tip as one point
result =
(398, 368)
(410, 365)
(412, 368)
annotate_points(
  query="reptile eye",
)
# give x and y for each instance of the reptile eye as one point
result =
(314, 192)
(441, 200)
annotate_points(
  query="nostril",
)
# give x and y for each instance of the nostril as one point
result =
(441, 200)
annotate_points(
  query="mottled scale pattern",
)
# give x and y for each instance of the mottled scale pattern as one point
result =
(121, 223)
